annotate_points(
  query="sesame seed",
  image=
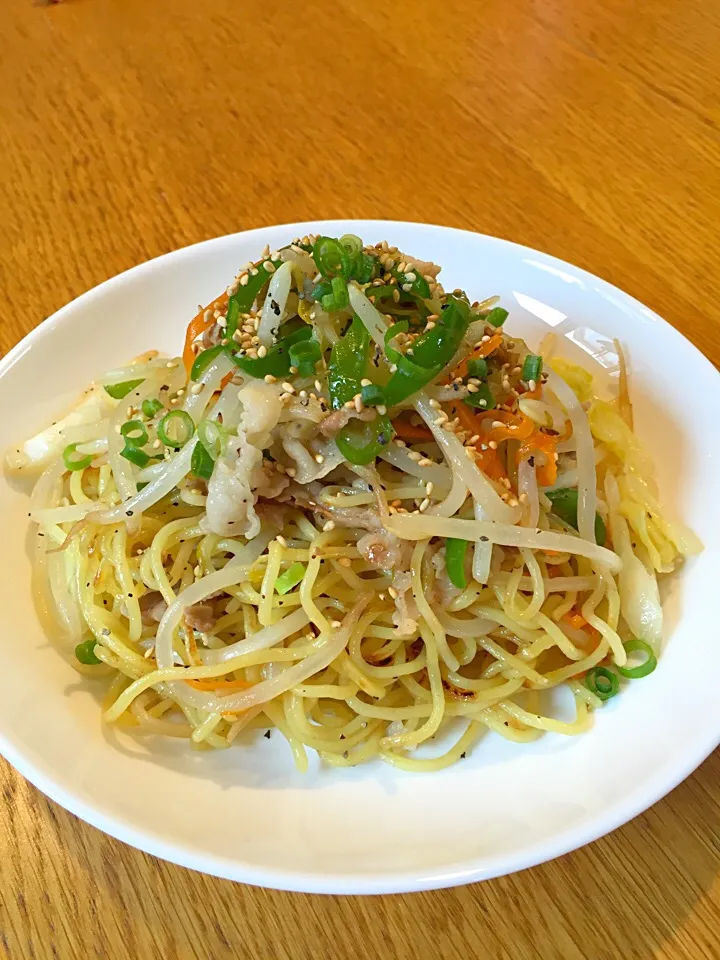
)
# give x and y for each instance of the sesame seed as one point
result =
(269, 378)
(424, 505)
(472, 388)
(269, 267)
(181, 391)
(365, 382)
(410, 277)
(393, 592)
(359, 405)
(288, 387)
(319, 458)
(156, 444)
(414, 455)
(197, 571)
(532, 384)
(485, 339)
(345, 562)
(281, 540)
(512, 502)
(196, 388)
(318, 385)
(399, 443)
(335, 624)
(407, 287)
(493, 445)
(429, 487)
(381, 409)
(291, 471)
(262, 351)
(435, 404)
(496, 424)
(327, 527)
(439, 421)
(433, 317)
(425, 462)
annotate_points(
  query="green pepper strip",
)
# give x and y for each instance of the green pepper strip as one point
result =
(643, 669)
(432, 352)
(291, 578)
(120, 390)
(455, 551)
(419, 286)
(245, 296)
(201, 463)
(565, 505)
(483, 398)
(276, 361)
(348, 360)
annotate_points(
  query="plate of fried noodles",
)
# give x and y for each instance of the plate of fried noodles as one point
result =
(358, 557)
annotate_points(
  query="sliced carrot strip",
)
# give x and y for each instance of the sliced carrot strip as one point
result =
(197, 326)
(410, 431)
(484, 350)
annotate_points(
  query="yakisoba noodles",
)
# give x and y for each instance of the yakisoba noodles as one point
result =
(356, 510)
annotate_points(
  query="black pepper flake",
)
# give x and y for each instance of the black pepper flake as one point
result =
(130, 595)
(463, 755)
(267, 734)
(275, 307)
(484, 539)
(531, 461)
(129, 513)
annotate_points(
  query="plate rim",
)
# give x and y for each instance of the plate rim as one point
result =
(642, 798)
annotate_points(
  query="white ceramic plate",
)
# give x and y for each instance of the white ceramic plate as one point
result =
(245, 813)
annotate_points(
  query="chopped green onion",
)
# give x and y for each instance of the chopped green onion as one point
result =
(482, 399)
(352, 243)
(134, 432)
(291, 578)
(176, 428)
(119, 390)
(212, 436)
(496, 317)
(151, 407)
(71, 461)
(305, 355)
(360, 442)
(203, 360)
(455, 551)
(532, 367)
(477, 367)
(135, 455)
(372, 395)
(331, 258)
(565, 505)
(201, 463)
(602, 682)
(85, 653)
(644, 668)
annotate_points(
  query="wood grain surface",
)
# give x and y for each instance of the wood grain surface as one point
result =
(587, 128)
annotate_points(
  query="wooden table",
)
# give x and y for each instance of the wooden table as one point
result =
(588, 128)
